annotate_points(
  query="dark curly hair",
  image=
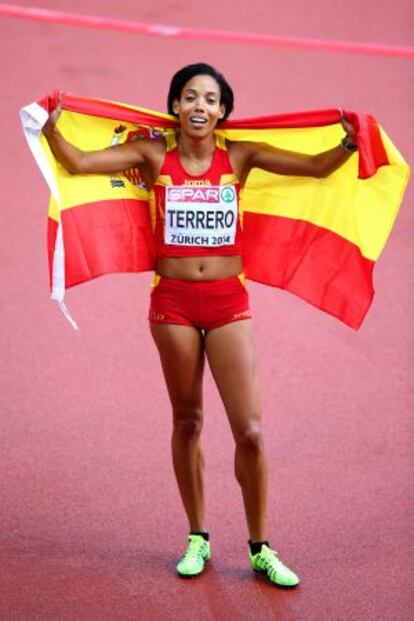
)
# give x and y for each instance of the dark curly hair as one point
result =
(186, 73)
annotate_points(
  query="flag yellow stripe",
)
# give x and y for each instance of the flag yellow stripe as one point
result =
(361, 211)
(89, 133)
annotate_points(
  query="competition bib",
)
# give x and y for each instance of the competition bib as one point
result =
(200, 215)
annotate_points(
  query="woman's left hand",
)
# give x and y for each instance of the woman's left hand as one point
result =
(349, 128)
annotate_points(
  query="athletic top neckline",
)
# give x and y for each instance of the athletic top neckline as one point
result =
(201, 175)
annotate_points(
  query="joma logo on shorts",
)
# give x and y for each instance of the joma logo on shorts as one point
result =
(243, 315)
(187, 194)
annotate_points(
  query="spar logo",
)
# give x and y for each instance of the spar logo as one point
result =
(188, 194)
(227, 195)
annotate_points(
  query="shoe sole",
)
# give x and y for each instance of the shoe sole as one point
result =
(262, 572)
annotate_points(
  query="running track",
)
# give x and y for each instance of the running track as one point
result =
(87, 486)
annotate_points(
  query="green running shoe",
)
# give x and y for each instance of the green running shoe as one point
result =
(267, 561)
(197, 553)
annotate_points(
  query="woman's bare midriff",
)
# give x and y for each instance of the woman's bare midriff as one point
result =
(199, 268)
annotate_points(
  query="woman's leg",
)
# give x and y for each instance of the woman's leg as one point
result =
(181, 350)
(231, 356)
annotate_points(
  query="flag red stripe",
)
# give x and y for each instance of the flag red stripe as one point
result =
(104, 237)
(309, 261)
(317, 265)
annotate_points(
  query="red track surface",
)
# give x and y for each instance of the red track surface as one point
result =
(173, 31)
(87, 487)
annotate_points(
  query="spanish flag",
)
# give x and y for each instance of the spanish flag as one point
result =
(318, 238)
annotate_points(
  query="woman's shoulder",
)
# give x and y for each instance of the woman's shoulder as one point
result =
(239, 147)
(156, 145)
(155, 149)
(239, 152)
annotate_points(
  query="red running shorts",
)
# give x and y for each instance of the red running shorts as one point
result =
(205, 305)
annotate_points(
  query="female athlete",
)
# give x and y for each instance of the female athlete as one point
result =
(199, 304)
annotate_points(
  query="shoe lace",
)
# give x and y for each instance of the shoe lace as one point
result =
(272, 560)
(193, 549)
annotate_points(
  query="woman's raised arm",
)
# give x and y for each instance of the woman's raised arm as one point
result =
(249, 155)
(111, 160)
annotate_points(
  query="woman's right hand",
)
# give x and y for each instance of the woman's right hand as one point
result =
(54, 115)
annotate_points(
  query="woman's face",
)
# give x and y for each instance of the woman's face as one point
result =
(199, 107)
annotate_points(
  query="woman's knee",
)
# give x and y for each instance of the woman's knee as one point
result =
(188, 422)
(250, 440)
